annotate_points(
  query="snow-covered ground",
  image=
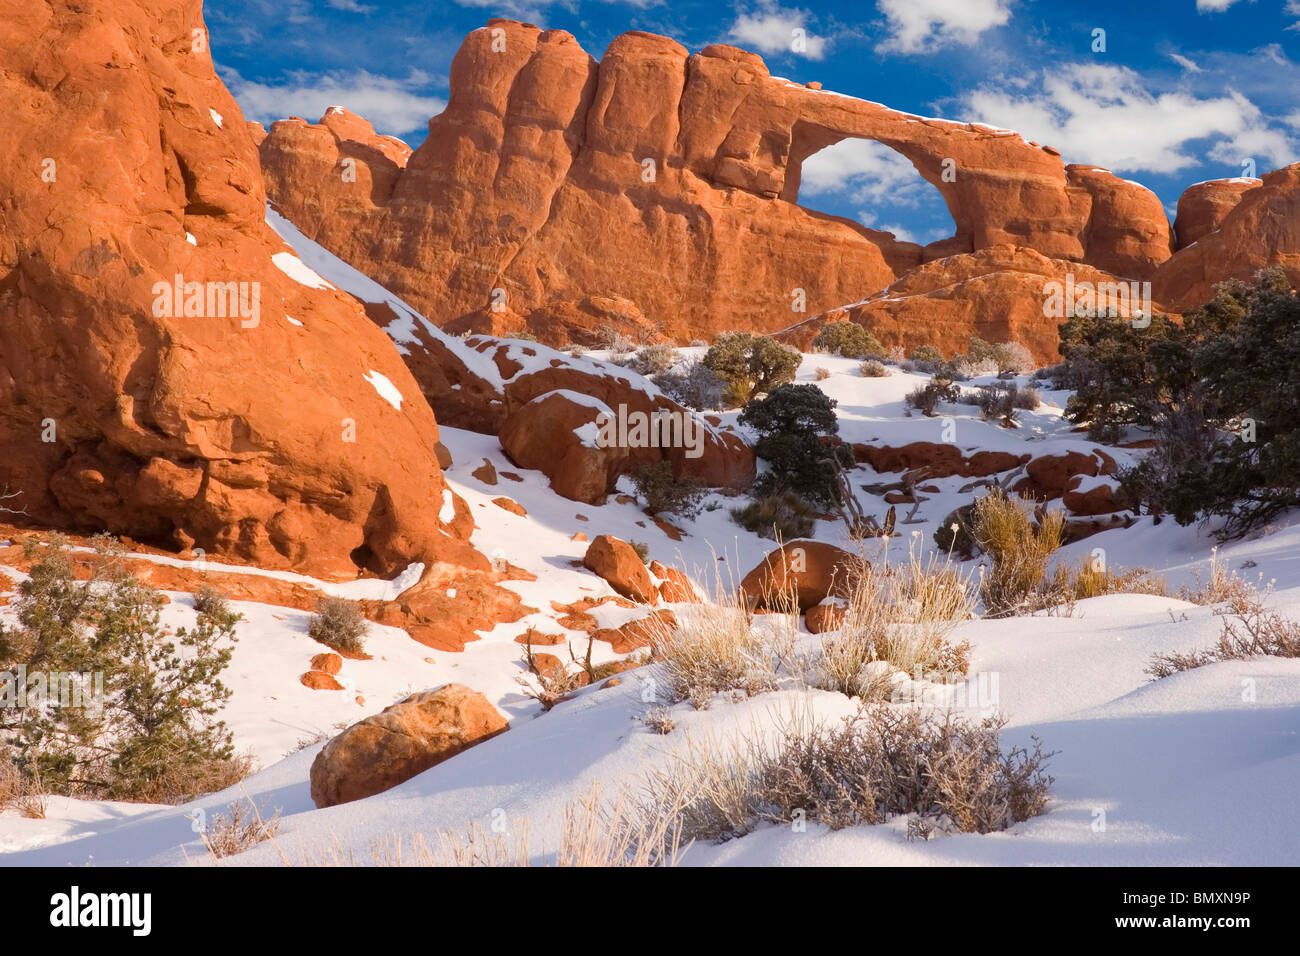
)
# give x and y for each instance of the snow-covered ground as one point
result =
(1189, 770)
(1195, 769)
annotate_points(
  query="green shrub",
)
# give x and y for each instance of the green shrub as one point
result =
(663, 493)
(926, 353)
(796, 428)
(751, 365)
(1219, 393)
(1122, 375)
(782, 517)
(339, 624)
(150, 731)
(848, 339)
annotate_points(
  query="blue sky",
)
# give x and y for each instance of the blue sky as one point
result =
(1184, 90)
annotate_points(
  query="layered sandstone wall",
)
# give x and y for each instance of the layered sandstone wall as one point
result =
(269, 435)
(669, 180)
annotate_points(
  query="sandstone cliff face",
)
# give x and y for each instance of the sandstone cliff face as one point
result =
(222, 421)
(670, 180)
(997, 294)
(1262, 229)
(1203, 207)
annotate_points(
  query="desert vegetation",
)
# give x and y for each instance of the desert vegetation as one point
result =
(750, 365)
(135, 715)
(796, 428)
(847, 339)
(878, 763)
(339, 624)
(1215, 391)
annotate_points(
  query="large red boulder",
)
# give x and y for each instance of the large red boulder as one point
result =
(1093, 498)
(561, 415)
(938, 459)
(618, 563)
(809, 571)
(1049, 476)
(400, 742)
(1000, 294)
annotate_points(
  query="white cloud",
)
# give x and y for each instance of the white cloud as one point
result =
(878, 180)
(1213, 6)
(349, 6)
(1109, 116)
(771, 29)
(1187, 64)
(392, 105)
(923, 26)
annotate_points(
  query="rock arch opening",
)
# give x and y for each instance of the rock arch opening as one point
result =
(871, 184)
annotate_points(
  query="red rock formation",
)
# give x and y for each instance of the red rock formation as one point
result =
(1203, 207)
(998, 294)
(1263, 229)
(129, 163)
(810, 571)
(939, 459)
(400, 742)
(618, 563)
(640, 632)
(319, 680)
(669, 180)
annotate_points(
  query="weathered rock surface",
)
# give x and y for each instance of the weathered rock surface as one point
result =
(549, 414)
(129, 165)
(670, 181)
(1203, 207)
(618, 563)
(641, 632)
(1261, 230)
(999, 294)
(400, 742)
(811, 571)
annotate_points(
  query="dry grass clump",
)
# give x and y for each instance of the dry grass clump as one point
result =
(716, 648)
(1020, 541)
(593, 833)
(658, 719)
(876, 764)
(237, 830)
(339, 624)
(1223, 585)
(897, 618)
(1249, 630)
(181, 784)
(1020, 550)
(1088, 580)
(18, 792)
